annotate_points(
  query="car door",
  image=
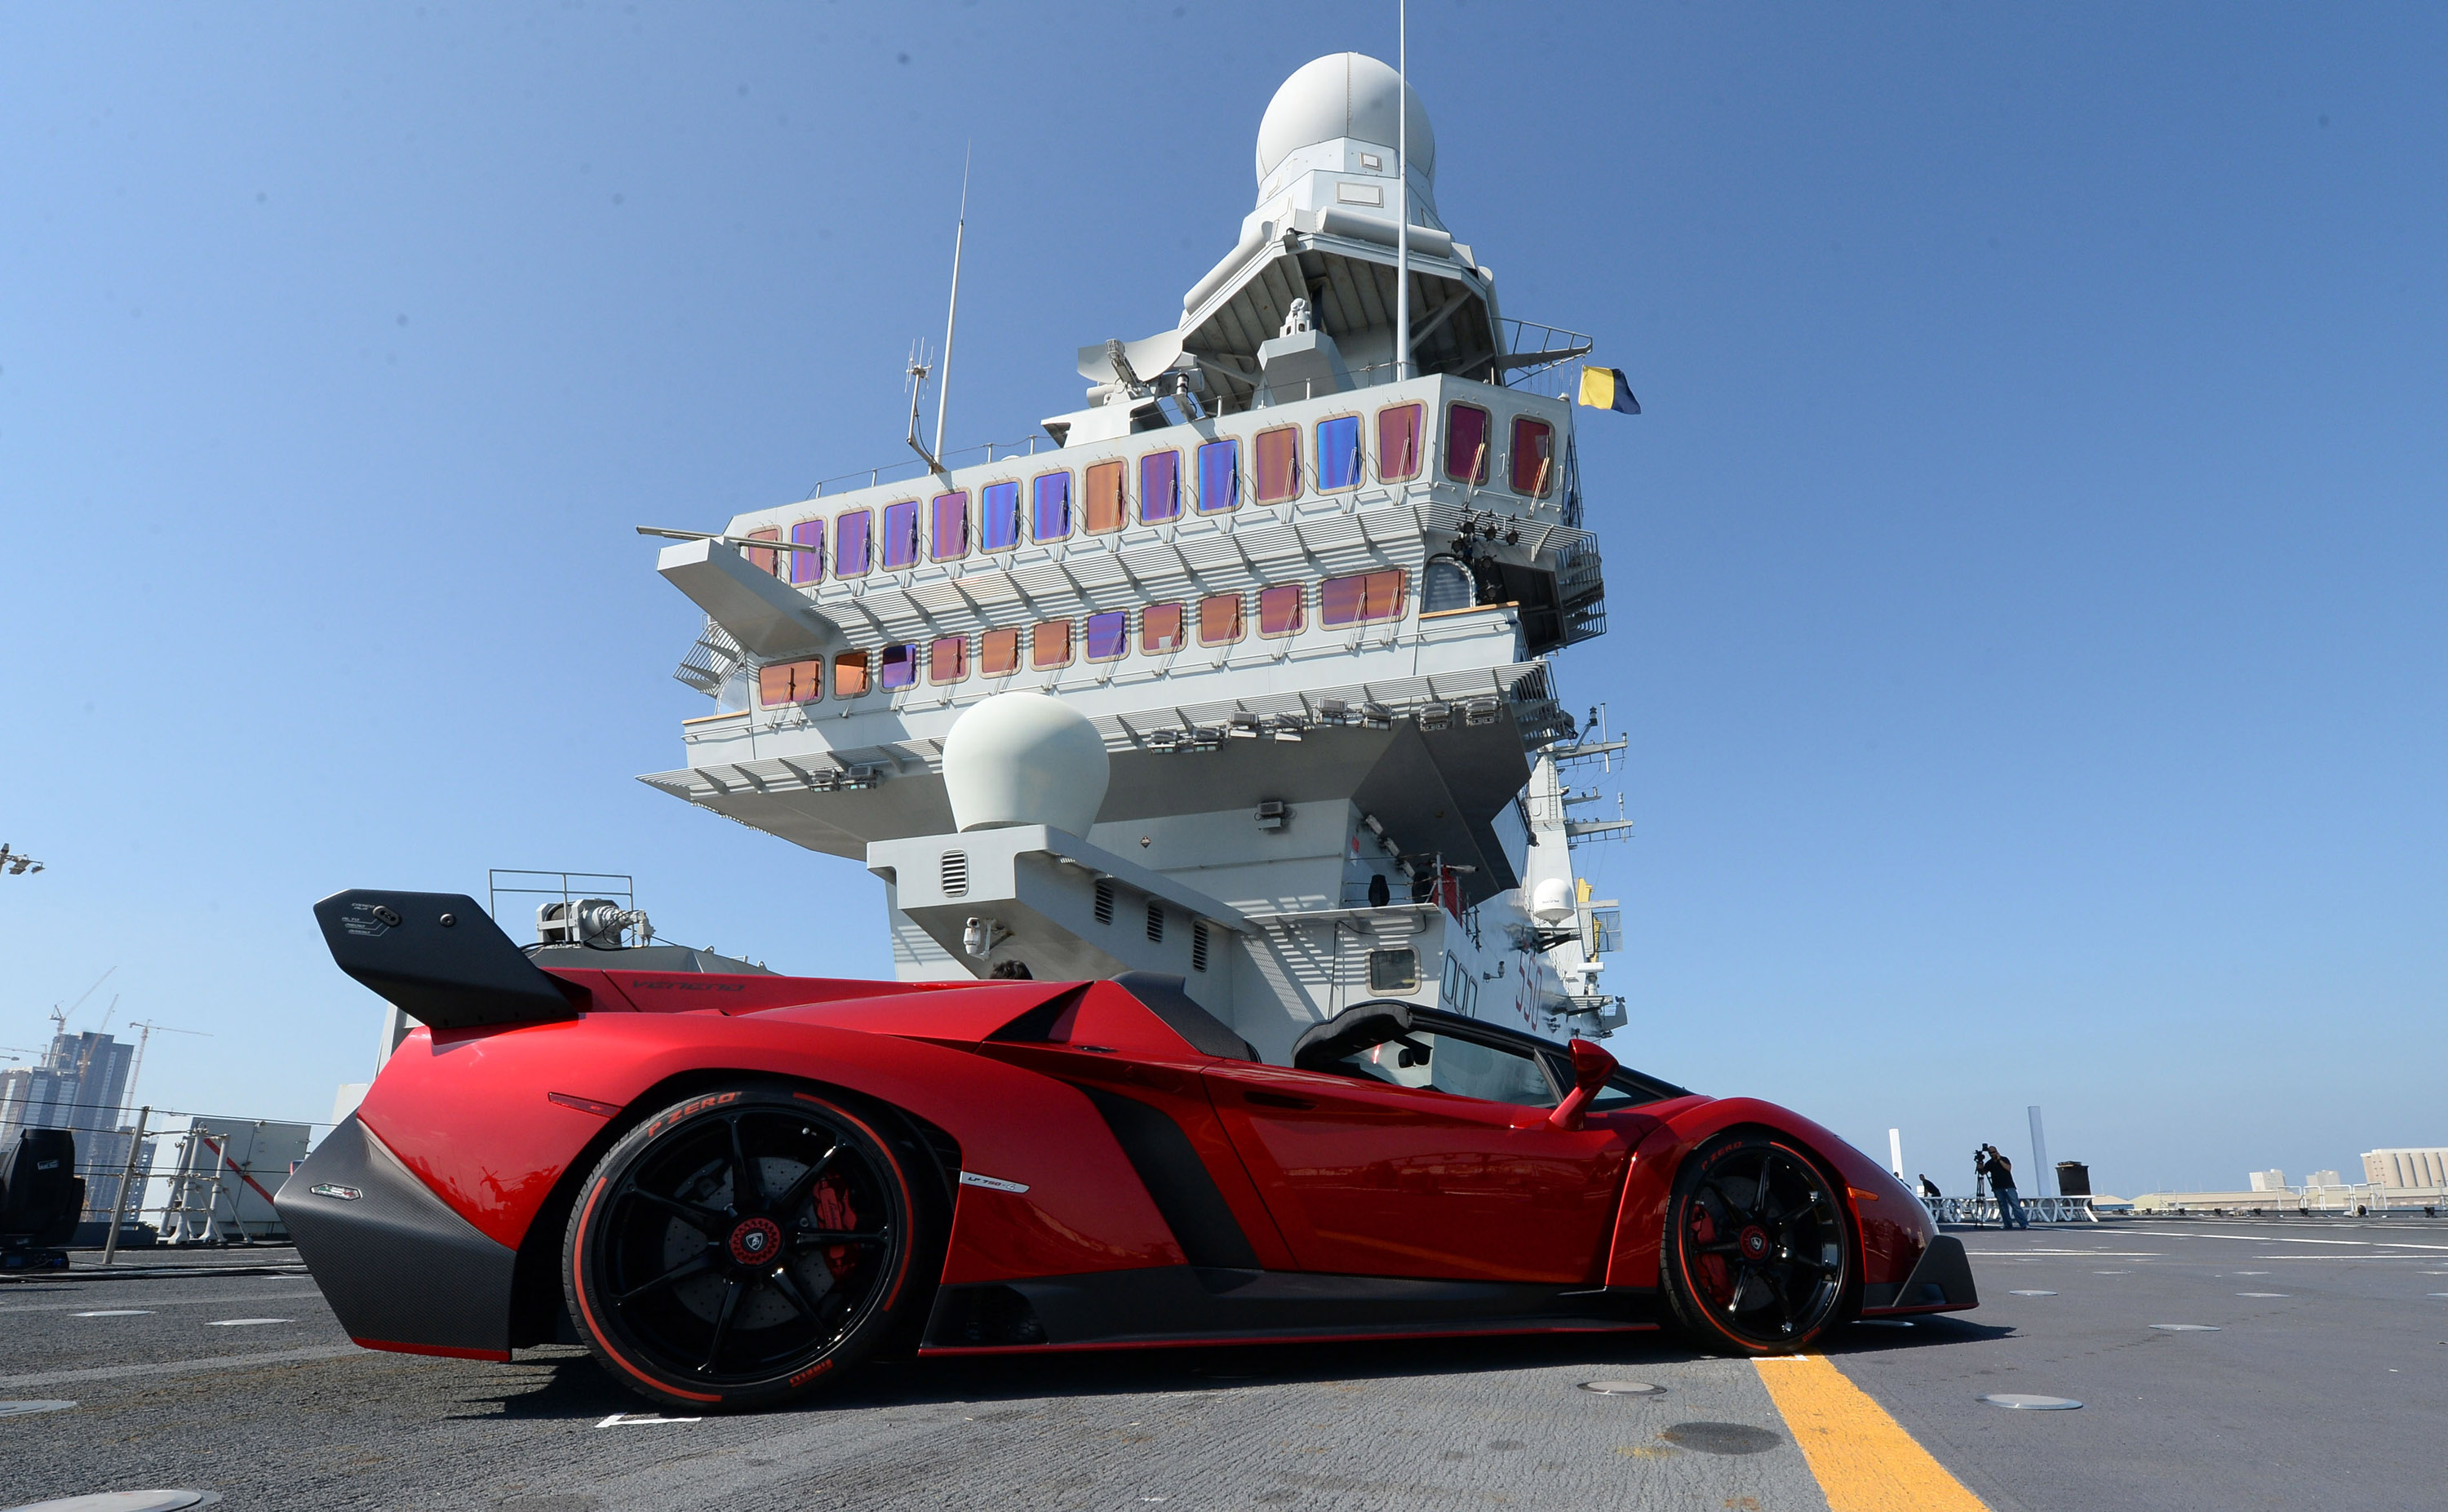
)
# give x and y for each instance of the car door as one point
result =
(1430, 1155)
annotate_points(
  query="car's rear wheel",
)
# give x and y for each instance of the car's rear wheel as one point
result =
(742, 1247)
(1758, 1255)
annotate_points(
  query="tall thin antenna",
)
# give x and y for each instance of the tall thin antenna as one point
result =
(943, 378)
(1403, 194)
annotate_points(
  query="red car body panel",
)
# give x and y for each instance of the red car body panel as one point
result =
(1040, 1085)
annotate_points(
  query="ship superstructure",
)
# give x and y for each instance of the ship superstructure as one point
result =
(1307, 601)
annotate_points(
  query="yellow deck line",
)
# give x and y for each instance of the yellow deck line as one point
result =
(1864, 1459)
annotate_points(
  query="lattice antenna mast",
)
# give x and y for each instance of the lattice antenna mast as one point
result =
(918, 370)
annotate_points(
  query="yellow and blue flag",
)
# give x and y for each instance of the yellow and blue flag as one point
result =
(1607, 388)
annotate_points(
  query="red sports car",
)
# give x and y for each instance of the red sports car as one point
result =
(732, 1185)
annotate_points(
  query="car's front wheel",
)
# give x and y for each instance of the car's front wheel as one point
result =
(1758, 1253)
(743, 1246)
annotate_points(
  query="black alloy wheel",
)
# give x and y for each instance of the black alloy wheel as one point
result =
(742, 1247)
(1759, 1254)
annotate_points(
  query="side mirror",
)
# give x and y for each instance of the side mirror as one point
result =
(1591, 1065)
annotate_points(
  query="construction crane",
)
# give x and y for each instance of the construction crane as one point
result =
(136, 1067)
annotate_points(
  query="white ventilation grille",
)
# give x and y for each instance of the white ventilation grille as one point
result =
(1198, 947)
(1104, 903)
(1156, 924)
(955, 875)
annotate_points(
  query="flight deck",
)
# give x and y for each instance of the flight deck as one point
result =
(2219, 1365)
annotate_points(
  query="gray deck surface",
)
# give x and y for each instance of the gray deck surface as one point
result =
(2330, 1396)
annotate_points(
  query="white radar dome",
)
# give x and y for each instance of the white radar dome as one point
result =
(1344, 94)
(1551, 901)
(1025, 758)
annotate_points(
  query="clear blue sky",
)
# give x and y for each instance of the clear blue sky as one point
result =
(2026, 584)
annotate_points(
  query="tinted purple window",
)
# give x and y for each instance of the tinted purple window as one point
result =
(900, 668)
(1160, 486)
(901, 533)
(1109, 635)
(853, 544)
(950, 526)
(808, 567)
(999, 515)
(1219, 476)
(1338, 451)
(1051, 518)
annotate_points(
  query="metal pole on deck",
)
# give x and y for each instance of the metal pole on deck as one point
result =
(126, 1178)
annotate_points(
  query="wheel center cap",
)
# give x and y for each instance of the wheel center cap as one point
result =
(1754, 1241)
(756, 1241)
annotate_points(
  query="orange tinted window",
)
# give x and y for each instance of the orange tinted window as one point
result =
(787, 682)
(1278, 455)
(1219, 620)
(948, 660)
(1049, 644)
(1398, 442)
(1160, 629)
(1279, 609)
(998, 653)
(1467, 443)
(850, 675)
(1104, 497)
(1364, 598)
(1533, 456)
(762, 558)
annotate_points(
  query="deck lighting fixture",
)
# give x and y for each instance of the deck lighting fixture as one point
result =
(1334, 710)
(1436, 716)
(1376, 715)
(1245, 726)
(1480, 711)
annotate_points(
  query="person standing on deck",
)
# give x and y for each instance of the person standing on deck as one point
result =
(2000, 1172)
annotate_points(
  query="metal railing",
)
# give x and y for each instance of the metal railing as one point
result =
(1981, 1212)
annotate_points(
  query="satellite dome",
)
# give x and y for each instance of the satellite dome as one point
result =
(1551, 901)
(1343, 94)
(1025, 758)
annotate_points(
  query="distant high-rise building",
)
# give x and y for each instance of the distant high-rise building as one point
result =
(2273, 1180)
(79, 1086)
(2324, 1178)
(2406, 1168)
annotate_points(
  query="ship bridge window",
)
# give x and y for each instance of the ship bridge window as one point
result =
(1050, 514)
(788, 682)
(948, 660)
(948, 526)
(1365, 597)
(762, 558)
(901, 534)
(1049, 644)
(1533, 456)
(898, 666)
(1104, 504)
(1278, 458)
(998, 653)
(1109, 635)
(1219, 476)
(1279, 609)
(1467, 443)
(998, 516)
(1398, 443)
(808, 567)
(1219, 620)
(1160, 486)
(1160, 629)
(1339, 464)
(854, 543)
(850, 675)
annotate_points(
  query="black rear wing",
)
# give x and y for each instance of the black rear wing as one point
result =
(441, 960)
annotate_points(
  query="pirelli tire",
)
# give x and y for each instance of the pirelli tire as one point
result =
(748, 1244)
(1759, 1256)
